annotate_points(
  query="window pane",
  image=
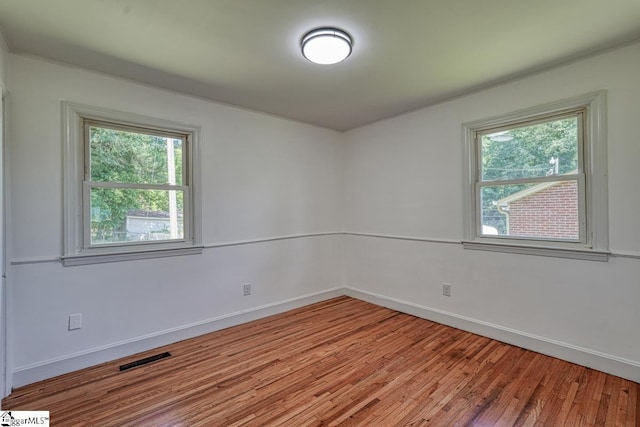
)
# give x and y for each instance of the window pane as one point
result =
(125, 215)
(544, 149)
(125, 156)
(546, 210)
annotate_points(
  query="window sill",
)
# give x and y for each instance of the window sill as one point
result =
(556, 252)
(74, 260)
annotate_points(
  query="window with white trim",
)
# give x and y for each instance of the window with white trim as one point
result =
(129, 187)
(536, 181)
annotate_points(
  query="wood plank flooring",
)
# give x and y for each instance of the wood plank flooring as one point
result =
(338, 362)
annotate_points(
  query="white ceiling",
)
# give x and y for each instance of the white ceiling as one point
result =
(407, 53)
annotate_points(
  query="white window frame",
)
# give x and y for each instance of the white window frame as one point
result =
(77, 248)
(593, 204)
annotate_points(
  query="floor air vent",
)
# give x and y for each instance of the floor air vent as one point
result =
(144, 361)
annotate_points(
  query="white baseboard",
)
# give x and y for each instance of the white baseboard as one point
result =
(614, 365)
(72, 362)
(608, 363)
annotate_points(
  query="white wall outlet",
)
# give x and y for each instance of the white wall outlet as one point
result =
(446, 289)
(75, 321)
(247, 289)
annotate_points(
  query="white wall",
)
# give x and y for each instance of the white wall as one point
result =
(262, 177)
(4, 53)
(267, 177)
(3, 342)
(404, 178)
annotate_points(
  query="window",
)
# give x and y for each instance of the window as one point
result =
(536, 181)
(129, 187)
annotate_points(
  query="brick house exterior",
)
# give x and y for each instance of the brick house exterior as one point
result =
(545, 210)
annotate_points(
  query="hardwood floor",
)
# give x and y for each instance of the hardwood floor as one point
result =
(339, 362)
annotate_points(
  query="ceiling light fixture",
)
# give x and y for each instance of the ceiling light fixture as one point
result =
(326, 45)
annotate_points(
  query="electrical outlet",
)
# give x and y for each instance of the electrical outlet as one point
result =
(75, 321)
(247, 289)
(446, 289)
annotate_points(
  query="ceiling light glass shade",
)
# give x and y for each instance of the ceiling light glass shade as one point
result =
(326, 45)
(503, 136)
